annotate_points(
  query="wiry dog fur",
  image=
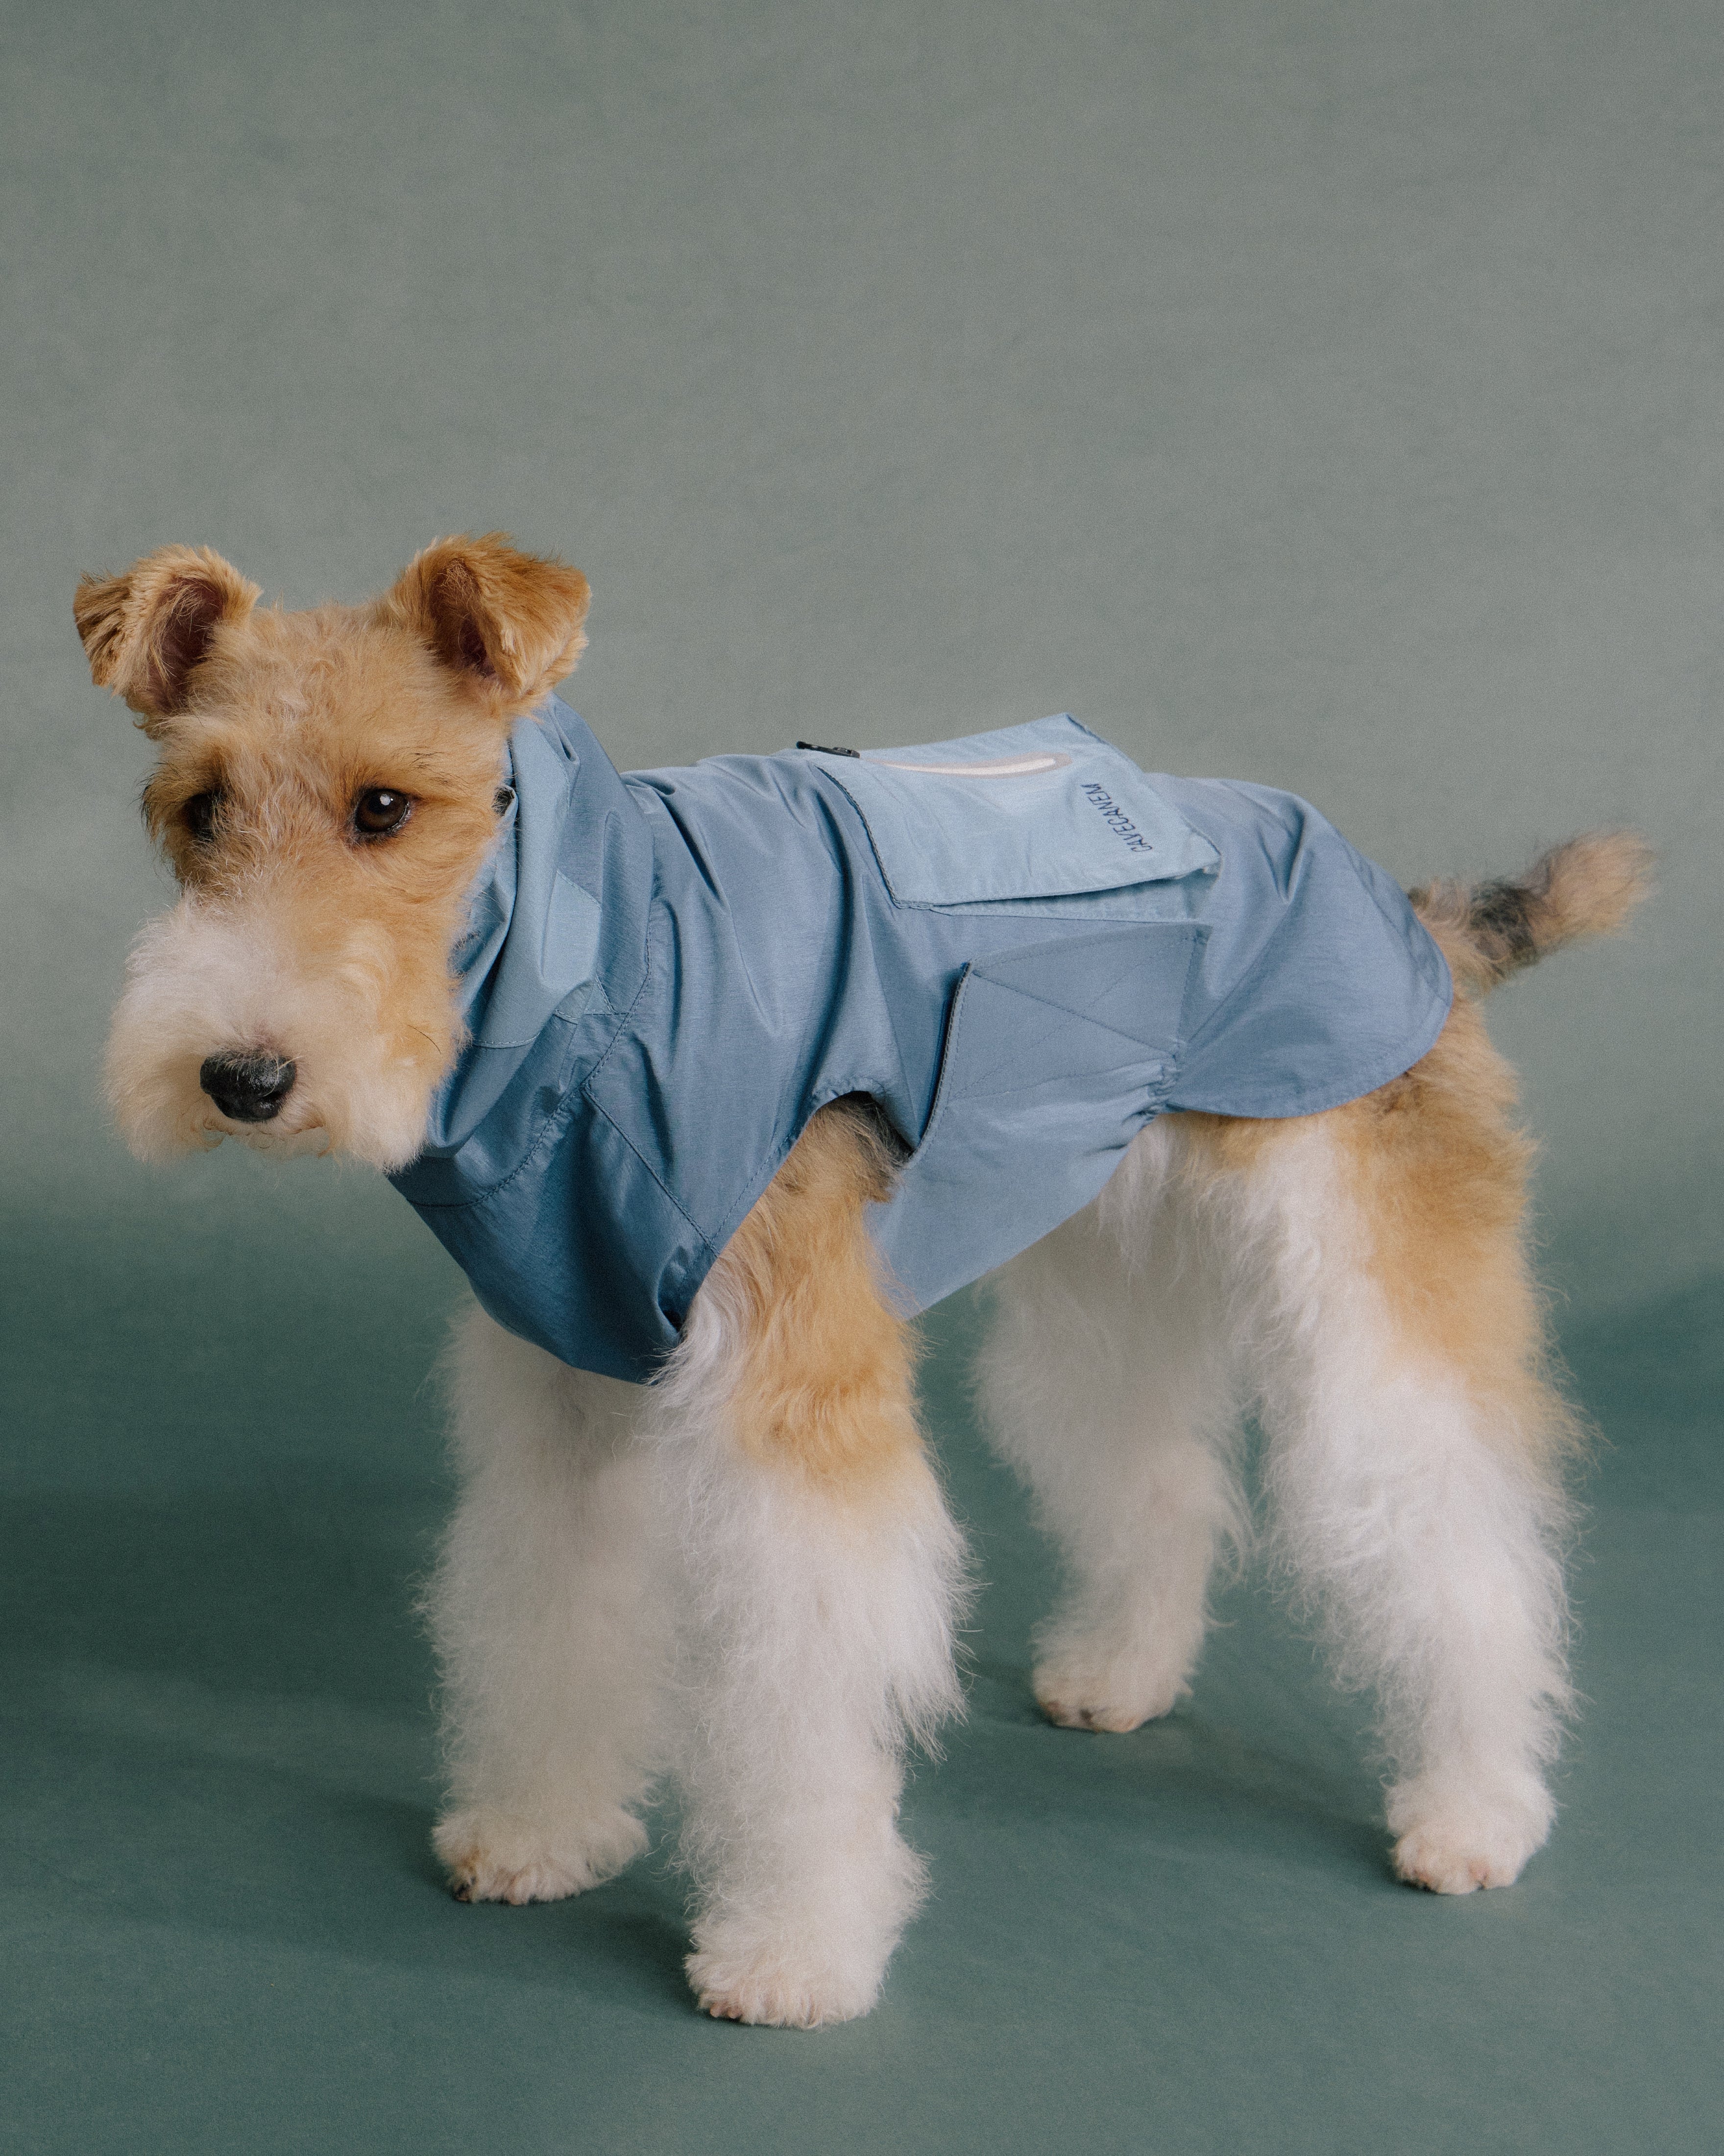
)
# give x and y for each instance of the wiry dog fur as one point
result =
(745, 1572)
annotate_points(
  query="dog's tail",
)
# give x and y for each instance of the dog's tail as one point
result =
(1586, 887)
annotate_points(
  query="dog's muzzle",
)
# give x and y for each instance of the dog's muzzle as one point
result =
(246, 1088)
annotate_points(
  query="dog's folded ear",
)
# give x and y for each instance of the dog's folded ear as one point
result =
(147, 631)
(508, 623)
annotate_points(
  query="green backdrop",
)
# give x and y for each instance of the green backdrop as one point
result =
(1328, 394)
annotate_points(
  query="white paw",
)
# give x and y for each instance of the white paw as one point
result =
(497, 1856)
(1453, 1846)
(1096, 1689)
(779, 1991)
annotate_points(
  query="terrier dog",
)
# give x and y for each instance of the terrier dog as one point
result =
(699, 1531)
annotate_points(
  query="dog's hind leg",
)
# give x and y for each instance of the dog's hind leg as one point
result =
(1104, 1382)
(548, 1614)
(822, 1571)
(1413, 1444)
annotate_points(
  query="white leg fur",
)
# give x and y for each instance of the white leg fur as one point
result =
(817, 1643)
(549, 1615)
(1420, 1532)
(1105, 1382)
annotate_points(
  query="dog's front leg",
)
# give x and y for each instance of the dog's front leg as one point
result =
(823, 1574)
(548, 1610)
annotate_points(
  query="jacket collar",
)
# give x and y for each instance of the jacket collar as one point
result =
(556, 917)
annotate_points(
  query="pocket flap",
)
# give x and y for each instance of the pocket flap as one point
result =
(1100, 1002)
(1048, 810)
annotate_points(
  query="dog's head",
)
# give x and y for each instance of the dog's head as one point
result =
(327, 789)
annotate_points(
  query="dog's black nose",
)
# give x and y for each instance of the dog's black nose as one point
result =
(250, 1088)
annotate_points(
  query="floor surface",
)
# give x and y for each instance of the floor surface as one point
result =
(226, 1930)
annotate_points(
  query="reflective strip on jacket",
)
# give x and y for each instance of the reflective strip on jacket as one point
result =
(1019, 943)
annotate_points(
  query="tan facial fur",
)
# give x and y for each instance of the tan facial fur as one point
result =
(298, 935)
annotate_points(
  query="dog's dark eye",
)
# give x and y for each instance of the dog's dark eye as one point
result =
(200, 814)
(380, 811)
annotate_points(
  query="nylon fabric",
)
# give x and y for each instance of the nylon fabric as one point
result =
(1020, 945)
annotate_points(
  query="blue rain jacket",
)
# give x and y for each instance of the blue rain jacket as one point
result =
(1019, 943)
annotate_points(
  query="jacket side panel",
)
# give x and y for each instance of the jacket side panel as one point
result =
(1057, 1054)
(1318, 982)
(766, 996)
